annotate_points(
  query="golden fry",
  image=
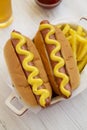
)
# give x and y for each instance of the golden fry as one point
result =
(80, 31)
(82, 51)
(66, 29)
(74, 45)
(82, 63)
(59, 26)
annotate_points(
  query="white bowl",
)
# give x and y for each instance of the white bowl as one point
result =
(82, 86)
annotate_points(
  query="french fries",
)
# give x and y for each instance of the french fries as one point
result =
(77, 38)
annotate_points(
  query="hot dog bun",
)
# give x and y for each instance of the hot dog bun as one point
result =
(70, 61)
(66, 52)
(17, 75)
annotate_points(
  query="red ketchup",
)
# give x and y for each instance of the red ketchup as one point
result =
(48, 3)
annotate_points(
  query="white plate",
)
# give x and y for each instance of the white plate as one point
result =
(81, 87)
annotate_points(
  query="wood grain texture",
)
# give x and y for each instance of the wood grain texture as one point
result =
(66, 115)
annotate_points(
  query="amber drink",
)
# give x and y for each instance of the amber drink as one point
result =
(5, 13)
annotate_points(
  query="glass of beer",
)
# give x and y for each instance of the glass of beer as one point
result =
(5, 13)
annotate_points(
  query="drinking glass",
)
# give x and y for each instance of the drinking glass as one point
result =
(5, 13)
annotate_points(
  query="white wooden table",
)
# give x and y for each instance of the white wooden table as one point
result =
(66, 115)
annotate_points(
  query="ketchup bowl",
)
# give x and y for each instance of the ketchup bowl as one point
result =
(48, 3)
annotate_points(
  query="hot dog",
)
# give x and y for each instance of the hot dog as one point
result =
(58, 59)
(27, 71)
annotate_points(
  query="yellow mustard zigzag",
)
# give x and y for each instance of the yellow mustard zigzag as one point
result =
(32, 80)
(54, 57)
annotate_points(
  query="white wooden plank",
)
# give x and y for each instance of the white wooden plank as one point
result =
(67, 115)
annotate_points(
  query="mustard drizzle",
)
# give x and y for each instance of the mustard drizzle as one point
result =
(34, 82)
(54, 57)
